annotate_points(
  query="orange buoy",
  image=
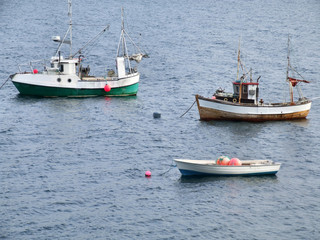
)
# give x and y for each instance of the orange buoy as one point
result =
(223, 160)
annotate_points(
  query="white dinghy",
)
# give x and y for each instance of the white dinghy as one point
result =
(189, 167)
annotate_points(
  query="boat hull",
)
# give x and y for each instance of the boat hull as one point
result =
(72, 86)
(208, 167)
(212, 109)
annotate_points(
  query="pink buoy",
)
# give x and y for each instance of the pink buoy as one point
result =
(107, 88)
(235, 162)
(35, 71)
(213, 97)
(148, 174)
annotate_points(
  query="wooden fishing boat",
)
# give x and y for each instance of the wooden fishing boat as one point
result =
(66, 77)
(244, 104)
(189, 167)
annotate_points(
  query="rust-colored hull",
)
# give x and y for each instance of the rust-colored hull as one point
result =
(210, 113)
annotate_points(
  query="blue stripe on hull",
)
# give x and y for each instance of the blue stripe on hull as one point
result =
(194, 173)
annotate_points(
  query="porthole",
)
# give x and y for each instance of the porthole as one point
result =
(59, 79)
(69, 80)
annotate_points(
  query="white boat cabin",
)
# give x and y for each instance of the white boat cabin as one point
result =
(243, 92)
(249, 91)
(63, 66)
(60, 65)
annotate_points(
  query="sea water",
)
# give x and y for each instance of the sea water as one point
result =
(74, 168)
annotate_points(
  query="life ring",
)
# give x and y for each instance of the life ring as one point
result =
(234, 100)
(225, 99)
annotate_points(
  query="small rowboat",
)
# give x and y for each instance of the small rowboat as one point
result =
(189, 167)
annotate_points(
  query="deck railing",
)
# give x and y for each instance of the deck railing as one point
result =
(32, 65)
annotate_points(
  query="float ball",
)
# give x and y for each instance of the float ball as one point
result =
(223, 160)
(107, 88)
(220, 159)
(235, 162)
(35, 71)
(148, 174)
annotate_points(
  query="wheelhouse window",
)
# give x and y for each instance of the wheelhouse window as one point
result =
(237, 90)
(245, 89)
(61, 68)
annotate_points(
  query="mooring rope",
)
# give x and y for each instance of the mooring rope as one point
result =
(171, 166)
(5, 82)
(189, 108)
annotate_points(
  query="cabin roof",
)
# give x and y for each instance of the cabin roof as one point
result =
(246, 83)
(64, 61)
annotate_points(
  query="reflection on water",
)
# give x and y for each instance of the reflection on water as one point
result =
(300, 122)
(245, 179)
(237, 128)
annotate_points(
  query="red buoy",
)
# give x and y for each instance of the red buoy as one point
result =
(35, 71)
(148, 174)
(107, 88)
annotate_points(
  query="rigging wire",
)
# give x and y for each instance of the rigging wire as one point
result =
(89, 25)
(296, 72)
(92, 41)
(132, 42)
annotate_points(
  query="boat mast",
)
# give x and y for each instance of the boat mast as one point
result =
(287, 74)
(70, 24)
(122, 42)
(238, 60)
(121, 35)
(240, 88)
(69, 31)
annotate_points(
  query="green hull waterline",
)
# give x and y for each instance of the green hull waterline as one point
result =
(35, 90)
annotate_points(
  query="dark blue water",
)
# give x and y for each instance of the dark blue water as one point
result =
(74, 168)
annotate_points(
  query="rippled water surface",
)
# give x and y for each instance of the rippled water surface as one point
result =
(74, 168)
